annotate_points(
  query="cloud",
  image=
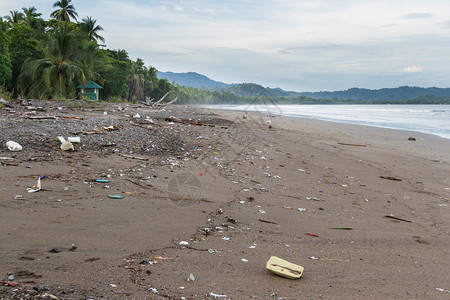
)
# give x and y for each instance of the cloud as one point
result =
(412, 69)
(445, 25)
(417, 16)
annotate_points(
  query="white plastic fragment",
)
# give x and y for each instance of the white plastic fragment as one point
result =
(13, 146)
(442, 290)
(38, 187)
(191, 277)
(244, 260)
(301, 209)
(301, 170)
(112, 285)
(74, 139)
(314, 258)
(262, 211)
(226, 238)
(217, 295)
(154, 291)
(183, 243)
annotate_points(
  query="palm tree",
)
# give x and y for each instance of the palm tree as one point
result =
(66, 63)
(89, 28)
(65, 11)
(14, 17)
(31, 12)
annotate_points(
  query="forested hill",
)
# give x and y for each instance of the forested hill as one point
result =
(400, 93)
(195, 80)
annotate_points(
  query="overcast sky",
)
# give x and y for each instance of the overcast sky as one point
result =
(301, 45)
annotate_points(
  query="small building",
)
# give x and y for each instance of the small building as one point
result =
(90, 90)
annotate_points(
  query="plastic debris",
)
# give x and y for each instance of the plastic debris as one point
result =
(284, 268)
(115, 196)
(442, 290)
(183, 243)
(9, 283)
(112, 285)
(65, 145)
(162, 258)
(13, 146)
(311, 234)
(191, 277)
(244, 260)
(314, 258)
(217, 295)
(74, 139)
(226, 238)
(102, 180)
(301, 209)
(38, 187)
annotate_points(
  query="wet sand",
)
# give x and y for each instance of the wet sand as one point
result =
(223, 201)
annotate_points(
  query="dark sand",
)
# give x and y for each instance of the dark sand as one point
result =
(246, 189)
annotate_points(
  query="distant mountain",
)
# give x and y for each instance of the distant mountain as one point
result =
(194, 80)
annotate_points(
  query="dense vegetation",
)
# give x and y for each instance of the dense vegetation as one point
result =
(49, 59)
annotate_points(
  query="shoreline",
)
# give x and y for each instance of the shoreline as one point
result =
(331, 120)
(258, 192)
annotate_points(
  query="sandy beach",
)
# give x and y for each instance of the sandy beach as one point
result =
(209, 196)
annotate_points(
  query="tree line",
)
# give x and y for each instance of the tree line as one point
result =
(48, 59)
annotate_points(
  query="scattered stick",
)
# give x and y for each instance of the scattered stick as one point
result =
(269, 222)
(398, 219)
(391, 178)
(133, 157)
(139, 125)
(346, 144)
(192, 248)
(341, 228)
(71, 117)
(191, 122)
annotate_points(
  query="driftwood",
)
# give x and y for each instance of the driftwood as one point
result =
(192, 122)
(149, 101)
(133, 157)
(357, 145)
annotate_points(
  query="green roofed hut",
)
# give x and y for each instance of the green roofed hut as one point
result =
(90, 90)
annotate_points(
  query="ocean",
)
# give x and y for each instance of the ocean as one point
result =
(431, 119)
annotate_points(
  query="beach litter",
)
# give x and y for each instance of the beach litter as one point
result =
(311, 234)
(38, 187)
(65, 145)
(102, 180)
(284, 268)
(74, 139)
(9, 283)
(191, 277)
(13, 146)
(115, 196)
(217, 295)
